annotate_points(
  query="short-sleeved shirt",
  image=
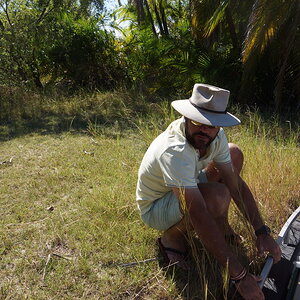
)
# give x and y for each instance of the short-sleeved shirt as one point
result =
(171, 161)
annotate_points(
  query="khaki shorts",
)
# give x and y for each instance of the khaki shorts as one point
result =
(166, 211)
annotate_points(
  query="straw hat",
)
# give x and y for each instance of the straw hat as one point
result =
(207, 105)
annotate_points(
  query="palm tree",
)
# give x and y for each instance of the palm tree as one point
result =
(273, 29)
(210, 20)
(143, 13)
(153, 12)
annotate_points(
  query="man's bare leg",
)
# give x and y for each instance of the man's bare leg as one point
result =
(217, 199)
(174, 237)
(213, 175)
(237, 158)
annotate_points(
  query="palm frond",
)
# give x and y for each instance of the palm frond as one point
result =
(201, 12)
(204, 60)
(264, 23)
(216, 18)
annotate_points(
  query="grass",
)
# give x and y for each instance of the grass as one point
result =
(68, 216)
(89, 194)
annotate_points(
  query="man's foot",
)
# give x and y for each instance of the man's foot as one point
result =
(173, 256)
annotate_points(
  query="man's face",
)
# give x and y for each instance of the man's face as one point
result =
(200, 136)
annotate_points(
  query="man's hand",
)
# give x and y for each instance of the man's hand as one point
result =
(265, 243)
(249, 289)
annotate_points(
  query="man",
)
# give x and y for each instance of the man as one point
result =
(186, 180)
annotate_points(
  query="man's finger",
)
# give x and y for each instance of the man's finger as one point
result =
(256, 278)
(277, 255)
(260, 252)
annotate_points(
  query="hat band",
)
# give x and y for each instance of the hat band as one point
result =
(209, 110)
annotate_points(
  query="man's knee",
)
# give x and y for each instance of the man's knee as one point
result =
(237, 156)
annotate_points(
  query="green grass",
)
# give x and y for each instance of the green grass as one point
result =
(94, 221)
(68, 215)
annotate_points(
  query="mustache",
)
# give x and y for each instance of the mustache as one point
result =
(202, 134)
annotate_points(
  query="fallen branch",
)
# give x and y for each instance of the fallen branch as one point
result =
(131, 264)
(60, 256)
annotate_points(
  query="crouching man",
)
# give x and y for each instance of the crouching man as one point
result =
(186, 180)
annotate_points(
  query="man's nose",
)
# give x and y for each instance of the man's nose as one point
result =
(205, 128)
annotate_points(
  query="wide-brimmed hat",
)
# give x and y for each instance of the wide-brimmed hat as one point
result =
(207, 105)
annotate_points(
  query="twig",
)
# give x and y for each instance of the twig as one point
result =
(47, 262)
(60, 256)
(89, 153)
(94, 142)
(7, 162)
(131, 264)
(25, 224)
(137, 296)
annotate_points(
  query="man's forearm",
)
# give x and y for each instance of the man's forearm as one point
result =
(207, 229)
(247, 204)
(213, 239)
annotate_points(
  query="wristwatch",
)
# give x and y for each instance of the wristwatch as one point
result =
(263, 230)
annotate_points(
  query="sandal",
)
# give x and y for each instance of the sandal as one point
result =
(182, 255)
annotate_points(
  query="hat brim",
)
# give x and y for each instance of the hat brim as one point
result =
(188, 110)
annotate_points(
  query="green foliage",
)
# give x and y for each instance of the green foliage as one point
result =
(18, 55)
(82, 53)
(271, 54)
(157, 47)
(171, 66)
(55, 39)
(155, 64)
(169, 62)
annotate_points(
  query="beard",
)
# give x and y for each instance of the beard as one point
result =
(199, 140)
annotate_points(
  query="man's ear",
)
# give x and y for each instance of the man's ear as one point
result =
(185, 119)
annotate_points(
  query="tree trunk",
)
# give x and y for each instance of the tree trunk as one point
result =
(150, 17)
(140, 11)
(232, 31)
(288, 45)
(163, 18)
(160, 25)
(35, 71)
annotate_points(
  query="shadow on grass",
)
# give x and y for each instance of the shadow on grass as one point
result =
(48, 125)
(59, 123)
(204, 278)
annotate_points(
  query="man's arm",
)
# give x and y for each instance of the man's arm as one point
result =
(213, 240)
(246, 203)
(207, 229)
